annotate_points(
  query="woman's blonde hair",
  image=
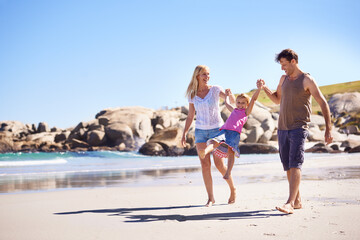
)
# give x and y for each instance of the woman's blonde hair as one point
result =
(243, 95)
(194, 85)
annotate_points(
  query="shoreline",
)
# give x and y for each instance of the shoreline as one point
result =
(245, 171)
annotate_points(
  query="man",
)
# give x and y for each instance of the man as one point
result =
(294, 96)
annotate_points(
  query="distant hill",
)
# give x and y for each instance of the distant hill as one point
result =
(327, 90)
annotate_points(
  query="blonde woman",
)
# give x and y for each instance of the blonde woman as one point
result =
(204, 100)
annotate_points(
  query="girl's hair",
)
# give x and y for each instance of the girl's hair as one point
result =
(194, 85)
(243, 95)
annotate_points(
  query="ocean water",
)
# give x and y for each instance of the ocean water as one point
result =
(21, 172)
(29, 172)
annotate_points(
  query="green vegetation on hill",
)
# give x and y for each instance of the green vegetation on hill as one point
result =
(327, 91)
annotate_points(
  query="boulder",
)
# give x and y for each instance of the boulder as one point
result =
(96, 138)
(137, 118)
(170, 140)
(257, 148)
(352, 129)
(344, 102)
(166, 118)
(350, 143)
(355, 149)
(43, 127)
(334, 147)
(42, 137)
(251, 122)
(118, 133)
(75, 143)
(184, 110)
(260, 112)
(268, 124)
(266, 137)
(6, 143)
(254, 135)
(15, 127)
(319, 148)
(152, 149)
(60, 137)
(190, 151)
(224, 112)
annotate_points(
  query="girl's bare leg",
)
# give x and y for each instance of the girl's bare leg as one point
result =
(208, 149)
(231, 160)
(206, 173)
(219, 163)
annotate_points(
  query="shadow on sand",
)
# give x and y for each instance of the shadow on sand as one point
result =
(178, 217)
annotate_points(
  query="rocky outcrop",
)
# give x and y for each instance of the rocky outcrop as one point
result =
(158, 132)
(344, 102)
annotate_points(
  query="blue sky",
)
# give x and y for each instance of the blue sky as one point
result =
(62, 62)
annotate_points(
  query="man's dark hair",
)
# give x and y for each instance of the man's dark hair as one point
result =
(288, 54)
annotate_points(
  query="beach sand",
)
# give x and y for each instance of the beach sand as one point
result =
(330, 191)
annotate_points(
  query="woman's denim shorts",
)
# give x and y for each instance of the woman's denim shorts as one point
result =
(201, 136)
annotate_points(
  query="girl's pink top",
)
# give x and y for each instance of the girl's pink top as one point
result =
(236, 120)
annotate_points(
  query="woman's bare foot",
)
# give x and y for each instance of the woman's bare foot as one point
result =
(210, 203)
(287, 208)
(232, 196)
(201, 153)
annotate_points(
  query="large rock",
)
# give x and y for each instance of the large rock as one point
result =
(42, 137)
(251, 123)
(96, 138)
(61, 137)
(266, 137)
(318, 148)
(260, 112)
(170, 140)
(75, 143)
(137, 118)
(17, 129)
(43, 127)
(152, 149)
(254, 134)
(257, 148)
(268, 124)
(344, 102)
(166, 118)
(355, 149)
(6, 143)
(118, 133)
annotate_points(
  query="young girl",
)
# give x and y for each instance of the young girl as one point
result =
(226, 142)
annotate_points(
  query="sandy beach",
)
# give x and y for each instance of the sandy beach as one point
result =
(330, 192)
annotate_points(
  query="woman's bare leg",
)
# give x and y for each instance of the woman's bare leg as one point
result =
(220, 165)
(206, 173)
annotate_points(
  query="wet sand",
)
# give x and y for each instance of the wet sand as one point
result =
(174, 209)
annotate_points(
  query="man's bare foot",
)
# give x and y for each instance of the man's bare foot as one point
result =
(210, 203)
(298, 204)
(201, 153)
(232, 196)
(287, 208)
